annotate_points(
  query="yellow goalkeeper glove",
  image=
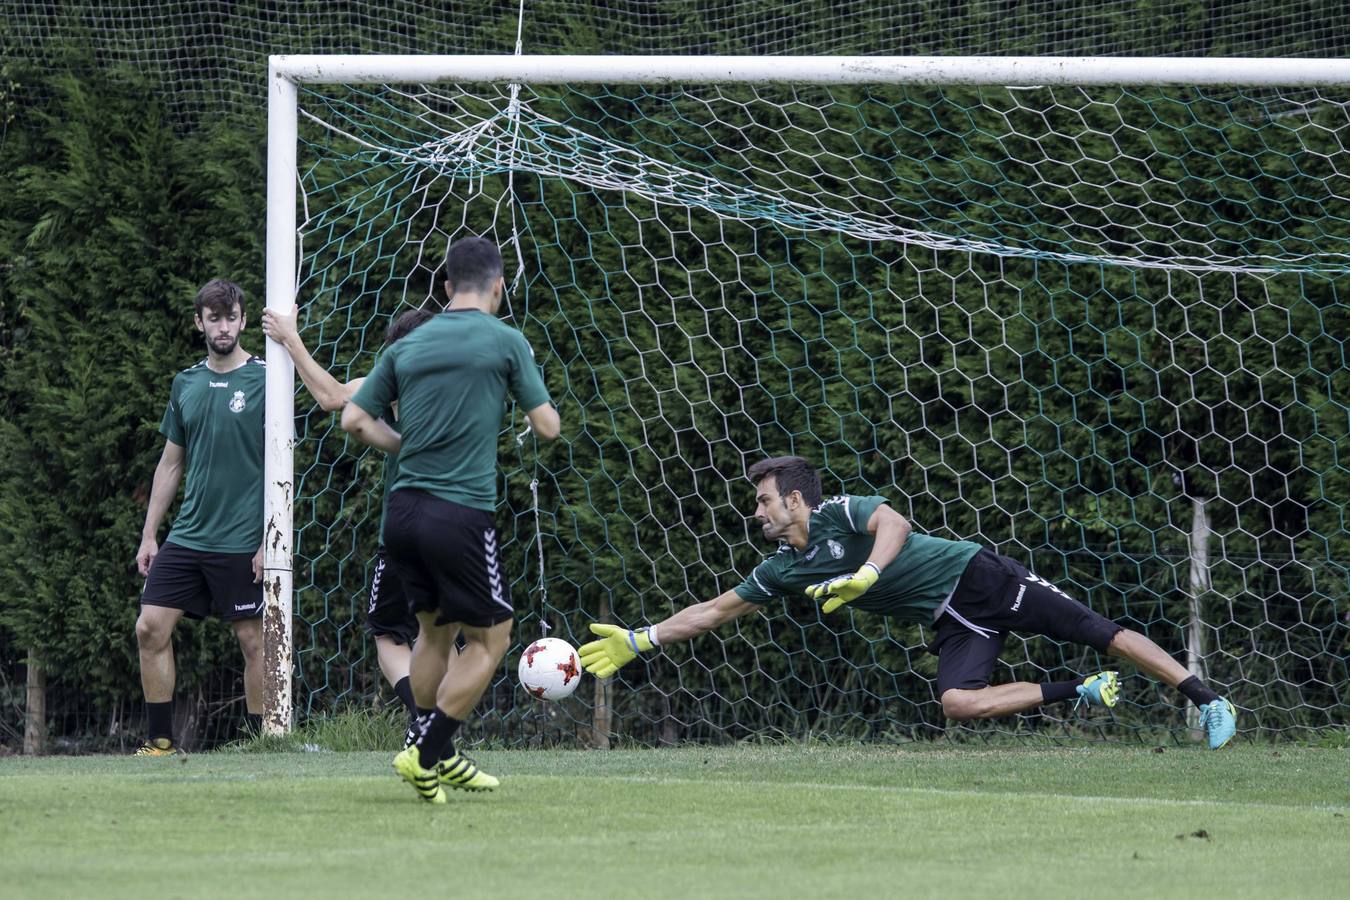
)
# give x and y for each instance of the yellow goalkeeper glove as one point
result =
(616, 647)
(844, 589)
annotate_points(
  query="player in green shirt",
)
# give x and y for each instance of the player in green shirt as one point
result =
(389, 620)
(211, 562)
(859, 551)
(451, 379)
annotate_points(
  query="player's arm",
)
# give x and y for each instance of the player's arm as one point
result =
(544, 421)
(369, 430)
(890, 530)
(330, 393)
(619, 646)
(164, 487)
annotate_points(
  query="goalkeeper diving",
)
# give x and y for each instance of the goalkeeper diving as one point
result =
(858, 553)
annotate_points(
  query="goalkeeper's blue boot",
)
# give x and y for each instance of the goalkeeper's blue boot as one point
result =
(1102, 689)
(1220, 721)
(408, 765)
(463, 774)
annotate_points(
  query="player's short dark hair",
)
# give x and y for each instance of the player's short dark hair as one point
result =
(219, 296)
(790, 473)
(406, 324)
(472, 264)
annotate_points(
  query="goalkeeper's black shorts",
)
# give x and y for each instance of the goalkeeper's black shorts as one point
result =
(997, 595)
(447, 556)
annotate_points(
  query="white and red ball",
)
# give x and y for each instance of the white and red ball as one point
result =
(549, 669)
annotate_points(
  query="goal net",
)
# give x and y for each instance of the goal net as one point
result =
(1094, 321)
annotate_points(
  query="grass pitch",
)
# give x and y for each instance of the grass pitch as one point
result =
(746, 821)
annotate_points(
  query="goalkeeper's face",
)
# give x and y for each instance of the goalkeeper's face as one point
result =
(774, 511)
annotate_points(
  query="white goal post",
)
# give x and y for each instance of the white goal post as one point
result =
(287, 72)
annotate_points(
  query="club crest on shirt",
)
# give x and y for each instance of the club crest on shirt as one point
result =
(237, 402)
(836, 549)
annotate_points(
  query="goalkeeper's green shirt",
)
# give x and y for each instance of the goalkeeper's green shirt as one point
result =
(911, 588)
(217, 418)
(451, 378)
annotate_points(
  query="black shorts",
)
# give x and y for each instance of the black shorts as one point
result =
(202, 583)
(448, 558)
(997, 595)
(387, 612)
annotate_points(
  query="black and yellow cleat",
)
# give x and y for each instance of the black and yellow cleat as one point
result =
(424, 781)
(157, 747)
(463, 774)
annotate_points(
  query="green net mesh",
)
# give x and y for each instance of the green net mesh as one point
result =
(1096, 329)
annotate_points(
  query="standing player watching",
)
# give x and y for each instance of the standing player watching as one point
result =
(858, 550)
(211, 562)
(389, 620)
(451, 379)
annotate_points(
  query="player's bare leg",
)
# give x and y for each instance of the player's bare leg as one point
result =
(992, 701)
(250, 635)
(464, 675)
(1148, 656)
(1101, 689)
(395, 659)
(395, 664)
(417, 764)
(154, 639)
(469, 672)
(1217, 714)
(427, 661)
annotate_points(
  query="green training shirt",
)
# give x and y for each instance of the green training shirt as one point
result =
(451, 378)
(390, 473)
(911, 588)
(217, 418)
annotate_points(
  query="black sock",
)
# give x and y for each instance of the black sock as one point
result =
(405, 695)
(1196, 691)
(1055, 691)
(160, 719)
(252, 723)
(421, 715)
(437, 735)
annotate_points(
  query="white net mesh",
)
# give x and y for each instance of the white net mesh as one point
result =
(212, 56)
(1049, 320)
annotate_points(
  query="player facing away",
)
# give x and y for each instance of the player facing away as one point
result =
(451, 379)
(211, 562)
(859, 551)
(389, 620)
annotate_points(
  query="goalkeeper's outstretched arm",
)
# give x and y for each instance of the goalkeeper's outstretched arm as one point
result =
(619, 646)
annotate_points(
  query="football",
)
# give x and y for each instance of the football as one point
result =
(549, 669)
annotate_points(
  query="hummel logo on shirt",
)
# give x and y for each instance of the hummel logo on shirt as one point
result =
(218, 383)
